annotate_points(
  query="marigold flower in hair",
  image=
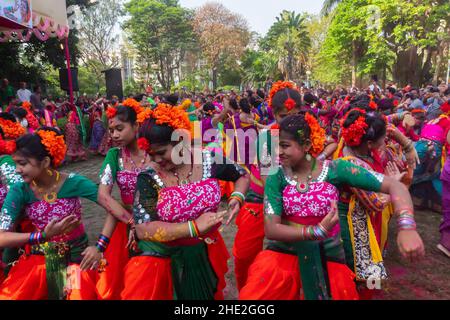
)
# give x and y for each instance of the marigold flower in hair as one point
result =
(133, 104)
(26, 105)
(354, 133)
(111, 112)
(373, 105)
(11, 130)
(55, 146)
(171, 116)
(317, 135)
(277, 86)
(144, 115)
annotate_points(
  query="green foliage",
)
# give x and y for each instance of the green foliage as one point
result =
(162, 33)
(289, 42)
(397, 36)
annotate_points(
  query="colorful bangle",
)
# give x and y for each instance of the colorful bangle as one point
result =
(197, 231)
(190, 229)
(102, 243)
(323, 233)
(37, 238)
(239, 195)
(241, 202)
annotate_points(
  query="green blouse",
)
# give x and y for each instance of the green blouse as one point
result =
(21, 195)
(8, 174)
(339, 173)
(111, 165)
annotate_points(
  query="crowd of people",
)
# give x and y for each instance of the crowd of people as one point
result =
(311, 177)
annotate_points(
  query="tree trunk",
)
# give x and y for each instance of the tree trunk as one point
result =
(353, 64)
(438, 65)
(214, 78)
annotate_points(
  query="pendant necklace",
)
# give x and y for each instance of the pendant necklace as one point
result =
(303, 187)
(135, 167)
(49, 197)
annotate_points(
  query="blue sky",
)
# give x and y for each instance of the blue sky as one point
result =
(261, 14)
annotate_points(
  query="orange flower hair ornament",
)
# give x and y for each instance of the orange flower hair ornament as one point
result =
(111, 112)
(143, 144)
(11, 130)
(354, 133)
(373, 105)
(278, 86)
(317, 135)
(172, 116)
(55, 146)
(26, 105)
(131, 103)
(7, 147)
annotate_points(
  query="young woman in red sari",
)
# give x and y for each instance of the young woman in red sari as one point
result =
(182, 254)
(305, 257)
(121, 166)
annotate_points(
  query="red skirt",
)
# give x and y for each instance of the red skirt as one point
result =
(249, 239)
(276, 276)
(27, 281)
(150, 278)
(110, 282)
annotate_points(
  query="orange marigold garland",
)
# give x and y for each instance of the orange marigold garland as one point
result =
(26, 105)
(144, 115)
(277, 86)
(133, 104)
(354, 133)
(317, 136)
(55, 146)
(172, 116)
(12, 130)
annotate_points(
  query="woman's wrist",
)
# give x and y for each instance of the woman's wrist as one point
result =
(313, 233)
(102, 243)
(406, 221)
(37, 238)
(194, 232)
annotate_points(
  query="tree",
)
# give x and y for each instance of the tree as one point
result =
(328, 6)
(32, 61)
(162, 33)
(98, 38)
(406, 40)
(288, 39)
(223, 35)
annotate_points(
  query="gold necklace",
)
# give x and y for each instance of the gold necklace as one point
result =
(185, 181)
(49, 197)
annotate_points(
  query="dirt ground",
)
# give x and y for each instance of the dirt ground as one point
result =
(428, 279)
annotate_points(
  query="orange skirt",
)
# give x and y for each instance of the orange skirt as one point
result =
(110, 282)
(249, 239)
(276, 276)
(27, 281)
(150, 278)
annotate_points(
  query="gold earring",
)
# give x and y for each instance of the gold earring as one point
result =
(50, 172)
